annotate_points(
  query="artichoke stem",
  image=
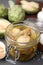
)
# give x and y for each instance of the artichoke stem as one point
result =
(11, 3)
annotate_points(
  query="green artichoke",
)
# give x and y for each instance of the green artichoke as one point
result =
(16, 13)
(3, 11)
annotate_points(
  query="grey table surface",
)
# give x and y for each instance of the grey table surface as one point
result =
(37, 60)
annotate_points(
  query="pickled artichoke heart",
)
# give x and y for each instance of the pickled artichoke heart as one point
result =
(12, 52)
(33, 34)
(23, 39)
(3, 11)
(3, 24)
(16, 14)
(16, 31)
(30, 7)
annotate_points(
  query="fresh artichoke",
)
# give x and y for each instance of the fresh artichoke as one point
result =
(30, 7)
(3, 25)
(3, 11)
(16, 13)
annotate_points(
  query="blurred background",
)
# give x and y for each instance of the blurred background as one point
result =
(6, 1)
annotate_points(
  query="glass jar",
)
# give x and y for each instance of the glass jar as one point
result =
(18, 49)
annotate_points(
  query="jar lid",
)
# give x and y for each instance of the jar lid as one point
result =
(37, 22)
